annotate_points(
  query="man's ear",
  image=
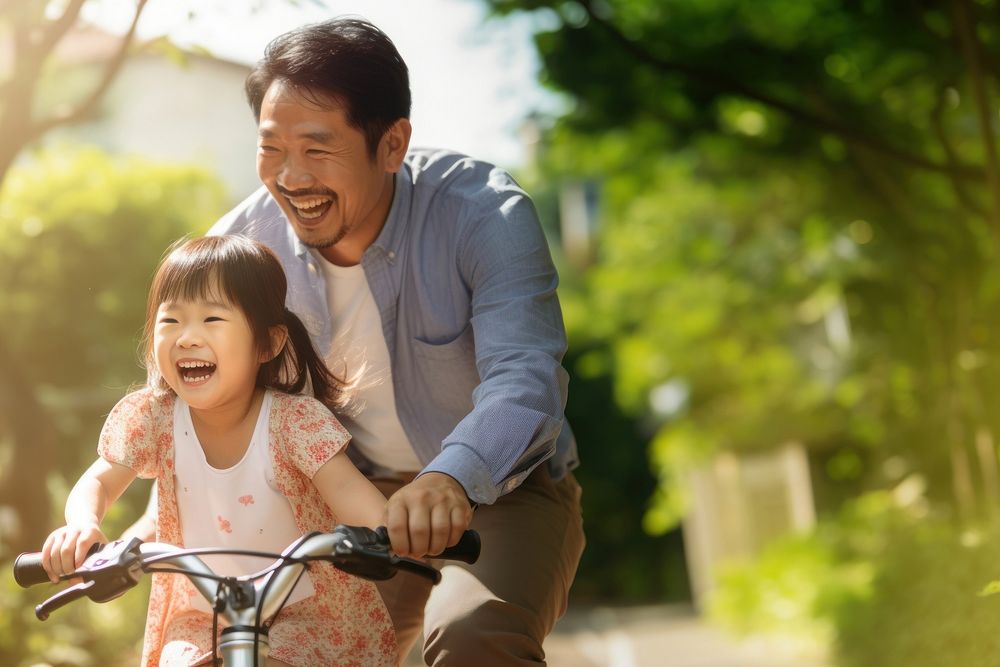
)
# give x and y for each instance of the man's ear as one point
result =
(396, 140)
(279, 336)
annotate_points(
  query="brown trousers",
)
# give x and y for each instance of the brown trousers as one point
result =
(499, 610)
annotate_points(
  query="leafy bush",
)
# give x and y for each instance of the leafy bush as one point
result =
(80, 635)
(798, 587)
(923, 610)
(80, 236)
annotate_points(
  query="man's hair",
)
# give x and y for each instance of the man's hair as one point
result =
(345, 62)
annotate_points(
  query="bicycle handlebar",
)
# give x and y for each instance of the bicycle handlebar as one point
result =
(112, 569)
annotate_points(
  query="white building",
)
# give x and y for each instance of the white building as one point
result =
(166, 105)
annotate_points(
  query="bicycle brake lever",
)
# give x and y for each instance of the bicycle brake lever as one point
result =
(111, 571)
(62, 598)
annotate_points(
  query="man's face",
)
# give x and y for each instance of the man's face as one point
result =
(320, 172)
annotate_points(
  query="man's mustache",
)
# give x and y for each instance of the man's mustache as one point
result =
(305, 193)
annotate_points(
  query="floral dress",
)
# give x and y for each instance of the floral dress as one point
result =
(343, 623)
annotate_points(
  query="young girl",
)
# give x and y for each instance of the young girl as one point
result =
(240, 459)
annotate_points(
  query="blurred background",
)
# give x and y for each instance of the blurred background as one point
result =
(776, 222)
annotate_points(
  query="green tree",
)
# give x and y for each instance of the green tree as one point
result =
(39, 93)
(800, 215)
(80, 235)
(32, 31)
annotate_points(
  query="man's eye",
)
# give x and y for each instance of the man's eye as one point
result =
(315, 152)
(267, 149)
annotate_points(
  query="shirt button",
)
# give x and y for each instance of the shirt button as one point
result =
(392, 254)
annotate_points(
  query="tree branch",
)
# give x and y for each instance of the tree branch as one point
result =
(727, 85)
(961, 193)
(85, 107)
(56, 29)
(970, 51)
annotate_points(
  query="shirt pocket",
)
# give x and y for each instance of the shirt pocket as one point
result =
(448, 370)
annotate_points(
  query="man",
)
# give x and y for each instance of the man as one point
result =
(425, 278)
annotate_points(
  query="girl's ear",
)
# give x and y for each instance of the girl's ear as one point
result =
(279, 336)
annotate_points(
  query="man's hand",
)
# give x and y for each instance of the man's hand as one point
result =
(427, 515)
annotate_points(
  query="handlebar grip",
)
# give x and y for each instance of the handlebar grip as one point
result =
(466, 549)
(28, 570)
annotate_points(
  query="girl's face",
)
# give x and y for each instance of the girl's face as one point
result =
(204, 349)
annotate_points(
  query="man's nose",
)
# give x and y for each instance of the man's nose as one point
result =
(295, 175)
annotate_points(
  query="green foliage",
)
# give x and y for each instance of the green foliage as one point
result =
(795, 229)
(790, 591)
(80, 635)
(798, 586)
(80, 236)
(884, 582)
(923, 609)
(616, 565)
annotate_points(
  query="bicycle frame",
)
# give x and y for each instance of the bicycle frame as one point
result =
(269, 591)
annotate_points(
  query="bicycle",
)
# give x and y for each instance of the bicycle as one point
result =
(247, 603)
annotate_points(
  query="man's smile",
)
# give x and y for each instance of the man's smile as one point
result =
(308, 206)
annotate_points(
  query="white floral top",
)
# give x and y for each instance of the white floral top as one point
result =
(344, 623)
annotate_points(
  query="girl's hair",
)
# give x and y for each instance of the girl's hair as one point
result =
(249, 276)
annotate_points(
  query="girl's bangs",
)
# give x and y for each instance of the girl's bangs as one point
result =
(192, 278)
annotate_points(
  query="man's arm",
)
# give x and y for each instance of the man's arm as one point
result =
(519, 344)
(518, 405)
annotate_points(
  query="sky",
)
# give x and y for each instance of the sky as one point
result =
(473, 81)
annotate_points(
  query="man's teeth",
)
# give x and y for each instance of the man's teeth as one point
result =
(302, 206)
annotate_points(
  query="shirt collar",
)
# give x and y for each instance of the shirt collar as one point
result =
(390, 238)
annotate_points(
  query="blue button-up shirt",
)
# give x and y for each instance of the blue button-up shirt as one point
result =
(464, 283)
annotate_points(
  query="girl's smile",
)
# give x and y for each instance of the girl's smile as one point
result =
(194, 372)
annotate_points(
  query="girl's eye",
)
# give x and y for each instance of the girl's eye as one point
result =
(214, 319)
(167, 320)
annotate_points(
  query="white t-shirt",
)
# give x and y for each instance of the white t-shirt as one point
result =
(359, 348)
(239, 507)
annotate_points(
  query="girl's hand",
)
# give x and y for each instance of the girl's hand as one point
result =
(66, 548)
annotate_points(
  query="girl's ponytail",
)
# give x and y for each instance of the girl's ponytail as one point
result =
(298, 363)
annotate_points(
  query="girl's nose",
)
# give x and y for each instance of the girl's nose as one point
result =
(189, 338)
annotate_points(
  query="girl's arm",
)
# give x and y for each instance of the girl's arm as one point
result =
(353, 499)
(145, 526)
(99, 487)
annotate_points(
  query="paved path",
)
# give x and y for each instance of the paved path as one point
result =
(659, 636)
(656, 636)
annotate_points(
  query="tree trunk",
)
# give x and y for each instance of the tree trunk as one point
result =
(24, 486)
